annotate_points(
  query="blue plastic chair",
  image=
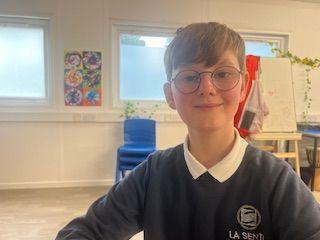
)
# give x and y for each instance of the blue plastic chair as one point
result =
(139, 142)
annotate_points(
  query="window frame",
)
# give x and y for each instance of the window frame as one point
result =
(38, 22)
(135, 28)
(281, 38)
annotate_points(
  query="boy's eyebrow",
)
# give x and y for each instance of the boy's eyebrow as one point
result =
(225, 61)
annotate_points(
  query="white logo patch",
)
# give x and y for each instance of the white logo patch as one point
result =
(248, 217)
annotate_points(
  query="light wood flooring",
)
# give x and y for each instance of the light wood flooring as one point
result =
(38, 214)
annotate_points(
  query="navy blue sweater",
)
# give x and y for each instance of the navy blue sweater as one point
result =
(264, 199)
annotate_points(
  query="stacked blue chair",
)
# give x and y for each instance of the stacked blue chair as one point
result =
(139, 142)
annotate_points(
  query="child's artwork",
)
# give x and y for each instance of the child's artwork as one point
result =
(82, 78)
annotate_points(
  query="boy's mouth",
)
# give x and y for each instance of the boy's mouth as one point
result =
(208, 105)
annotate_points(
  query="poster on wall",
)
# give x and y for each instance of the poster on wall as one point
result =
(82, 78)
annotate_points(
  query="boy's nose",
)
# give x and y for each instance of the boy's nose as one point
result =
(206, 85)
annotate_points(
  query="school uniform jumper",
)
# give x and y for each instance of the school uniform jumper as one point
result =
(250, 194)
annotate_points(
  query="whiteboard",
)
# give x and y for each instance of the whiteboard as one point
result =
(276, 80)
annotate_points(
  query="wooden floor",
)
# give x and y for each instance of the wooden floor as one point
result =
(38, 214)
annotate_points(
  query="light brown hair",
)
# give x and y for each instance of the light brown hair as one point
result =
(203, 42)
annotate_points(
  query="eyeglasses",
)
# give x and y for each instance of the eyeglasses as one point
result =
(223, 78)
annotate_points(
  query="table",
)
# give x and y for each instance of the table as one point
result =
(315, 134)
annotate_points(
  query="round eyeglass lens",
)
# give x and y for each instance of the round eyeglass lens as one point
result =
(226, 78)
(187, 81)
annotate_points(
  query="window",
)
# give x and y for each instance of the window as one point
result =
(137, 58)
(142, 72)
(257, 43)
(138, 67)
(23, 60)
(259, 48)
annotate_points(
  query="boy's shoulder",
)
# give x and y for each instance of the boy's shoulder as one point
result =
(167, 156)
(263, 160)
(264, 167)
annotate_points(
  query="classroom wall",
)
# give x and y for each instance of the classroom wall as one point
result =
(48, 149)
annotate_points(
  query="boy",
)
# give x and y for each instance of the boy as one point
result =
(215, 185)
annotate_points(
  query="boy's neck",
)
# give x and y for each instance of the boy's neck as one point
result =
(209, 148)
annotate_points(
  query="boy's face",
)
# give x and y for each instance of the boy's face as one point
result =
(207, 108)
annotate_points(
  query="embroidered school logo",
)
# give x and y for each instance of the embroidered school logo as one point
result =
(248, 217)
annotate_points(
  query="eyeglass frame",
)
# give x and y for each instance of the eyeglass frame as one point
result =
(199, 73)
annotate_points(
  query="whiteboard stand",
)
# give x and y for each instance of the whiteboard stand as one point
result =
(276, 137)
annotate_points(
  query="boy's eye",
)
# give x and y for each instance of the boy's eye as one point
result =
(187, 77)
(190, 78)
(222, 75)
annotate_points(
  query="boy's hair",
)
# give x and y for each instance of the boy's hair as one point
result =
(203, 42)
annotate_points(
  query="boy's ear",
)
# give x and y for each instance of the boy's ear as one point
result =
(168, 94)
(245, 80)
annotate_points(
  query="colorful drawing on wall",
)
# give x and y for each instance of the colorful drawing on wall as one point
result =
(73, 96)
(82, 78)
(92, 60)
(73, 77)
(72, 59)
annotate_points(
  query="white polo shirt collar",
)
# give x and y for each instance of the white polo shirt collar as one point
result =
(224, 169)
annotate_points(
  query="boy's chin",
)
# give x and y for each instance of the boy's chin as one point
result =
(212, 126)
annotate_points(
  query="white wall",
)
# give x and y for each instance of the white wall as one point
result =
(66, 154)
(49, 149)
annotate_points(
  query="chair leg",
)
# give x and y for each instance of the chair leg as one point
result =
(117, 179)
(314, 160)
(117, 176)
(297, 160)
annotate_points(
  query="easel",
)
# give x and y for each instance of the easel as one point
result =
(287, 137)
(280, 124)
